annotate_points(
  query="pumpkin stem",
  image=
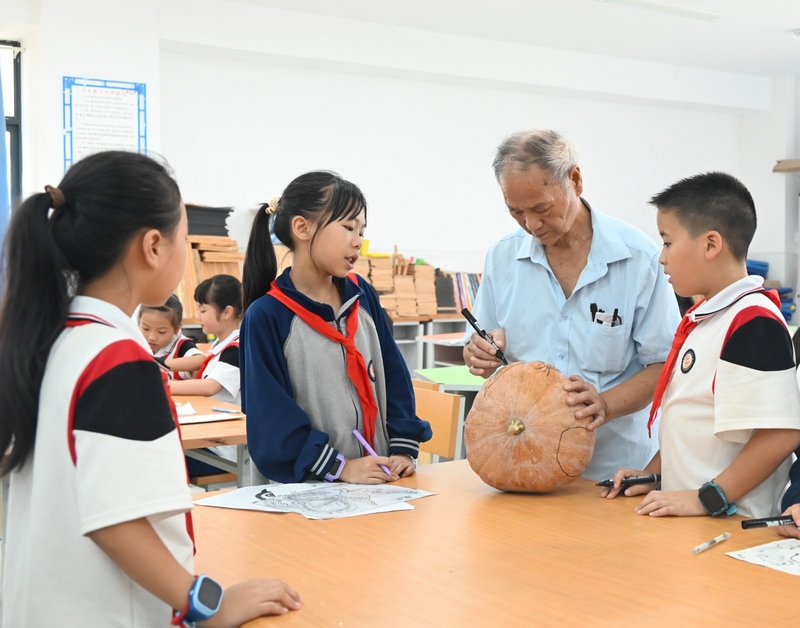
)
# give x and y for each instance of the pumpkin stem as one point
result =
(516, 427)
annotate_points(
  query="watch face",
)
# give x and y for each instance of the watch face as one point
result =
(209, 594)
(711, 499)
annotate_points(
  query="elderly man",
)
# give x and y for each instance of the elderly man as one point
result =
(579, 290)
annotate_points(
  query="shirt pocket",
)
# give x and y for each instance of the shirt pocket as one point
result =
(603, 349)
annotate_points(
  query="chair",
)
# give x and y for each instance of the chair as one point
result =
(425, 385)
(445, 413)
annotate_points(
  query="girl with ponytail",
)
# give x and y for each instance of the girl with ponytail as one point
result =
(319, 361)
(99, 528)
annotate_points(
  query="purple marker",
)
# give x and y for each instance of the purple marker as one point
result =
(370, 450)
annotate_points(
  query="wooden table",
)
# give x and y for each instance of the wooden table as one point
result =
(472, 556)
(196, 436)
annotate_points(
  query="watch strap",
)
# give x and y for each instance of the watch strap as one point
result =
(727, 509)
(331, 475)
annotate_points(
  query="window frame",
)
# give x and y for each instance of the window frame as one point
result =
(14, 125)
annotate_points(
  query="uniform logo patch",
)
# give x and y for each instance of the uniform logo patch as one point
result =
(688, 361)
(371, 370)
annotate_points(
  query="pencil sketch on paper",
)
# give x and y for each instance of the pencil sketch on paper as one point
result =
(319, 501)
(782, 555)
(336, 499)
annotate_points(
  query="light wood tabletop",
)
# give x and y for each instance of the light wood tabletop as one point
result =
(199, 435)
(472, 556)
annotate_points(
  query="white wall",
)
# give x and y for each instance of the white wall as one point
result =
(237, 132)
(242, 98)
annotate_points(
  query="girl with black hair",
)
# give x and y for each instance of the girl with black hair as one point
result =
(99, 528)
(219, 306)
(319, 361)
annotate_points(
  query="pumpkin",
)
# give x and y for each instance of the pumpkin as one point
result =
(522, 436)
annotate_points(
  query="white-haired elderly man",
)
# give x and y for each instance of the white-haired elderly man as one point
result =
(579, 290)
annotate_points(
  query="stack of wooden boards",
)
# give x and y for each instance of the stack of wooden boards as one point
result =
(206, 256)
(404, 289)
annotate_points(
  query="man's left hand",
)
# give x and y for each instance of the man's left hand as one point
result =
(584, 394)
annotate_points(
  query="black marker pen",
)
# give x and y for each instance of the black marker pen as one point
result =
(634, 479)
(482, 333)
(768, 522)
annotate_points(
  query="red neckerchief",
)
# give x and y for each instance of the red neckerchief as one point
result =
(201, 370)
(685, 327)
(356, 367)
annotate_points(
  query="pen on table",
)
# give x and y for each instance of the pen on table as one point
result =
(715, 541)
(226, 410)
(768, 522)
(633, 479)
(370, 450)
(482, 333)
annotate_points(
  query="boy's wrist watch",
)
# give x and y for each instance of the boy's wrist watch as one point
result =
(714, 500)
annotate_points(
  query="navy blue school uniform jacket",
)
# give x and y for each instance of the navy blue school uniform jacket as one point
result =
(300, 404)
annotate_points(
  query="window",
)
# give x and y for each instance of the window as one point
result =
(9, 71)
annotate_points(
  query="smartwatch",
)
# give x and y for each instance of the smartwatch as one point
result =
(205, 598)
(713, 499)
(336, 469)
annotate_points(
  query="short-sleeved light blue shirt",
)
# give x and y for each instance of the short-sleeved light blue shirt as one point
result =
(520, 294)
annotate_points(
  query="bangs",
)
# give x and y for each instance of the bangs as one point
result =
(345, 202)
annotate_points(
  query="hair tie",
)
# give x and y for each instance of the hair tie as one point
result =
(56, 196)
(273, 205)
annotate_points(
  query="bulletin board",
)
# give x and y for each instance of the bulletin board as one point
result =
(103, 115)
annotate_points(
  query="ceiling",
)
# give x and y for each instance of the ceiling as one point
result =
(752, 36)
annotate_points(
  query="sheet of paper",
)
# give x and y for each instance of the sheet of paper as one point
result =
(319, 501)
(209, 418)
(185, 409)
(782, 555)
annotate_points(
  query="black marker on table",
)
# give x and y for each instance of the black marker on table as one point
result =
(768, 522)
(631, 480)
(482, 333)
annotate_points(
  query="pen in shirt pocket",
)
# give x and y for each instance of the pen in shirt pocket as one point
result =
(601, 317)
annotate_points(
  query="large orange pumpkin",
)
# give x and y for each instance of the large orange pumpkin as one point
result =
(520, 433)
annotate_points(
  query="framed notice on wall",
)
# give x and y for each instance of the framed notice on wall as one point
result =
(103, 115)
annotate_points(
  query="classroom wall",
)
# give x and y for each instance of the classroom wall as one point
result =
(421, 152)
(241, 98)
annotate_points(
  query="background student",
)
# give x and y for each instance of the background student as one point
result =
(729, 399)
(319, 358)
(161, 327)
(219, 307)
(99, 529)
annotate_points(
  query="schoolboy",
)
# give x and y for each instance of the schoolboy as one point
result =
(728, 397)
(161, 327)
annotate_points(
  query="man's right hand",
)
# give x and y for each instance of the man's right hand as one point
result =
(480, 356)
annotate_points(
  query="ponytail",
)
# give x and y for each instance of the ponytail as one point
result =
(35, 303)
(321, 197)
(260, 264)
(56, 243)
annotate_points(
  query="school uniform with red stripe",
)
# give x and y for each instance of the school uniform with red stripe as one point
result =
(733, 373)
(107, 451)
(179, 346)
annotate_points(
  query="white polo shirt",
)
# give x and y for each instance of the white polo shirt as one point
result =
(107, 451)
(735, 374)
(223, 367)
